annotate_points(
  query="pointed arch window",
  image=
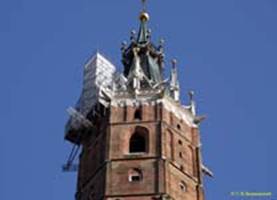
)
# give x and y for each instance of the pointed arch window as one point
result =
(139, 141)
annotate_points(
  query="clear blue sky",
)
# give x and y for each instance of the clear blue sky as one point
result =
(227, 52)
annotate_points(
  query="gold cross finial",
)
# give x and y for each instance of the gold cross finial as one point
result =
(143, 4)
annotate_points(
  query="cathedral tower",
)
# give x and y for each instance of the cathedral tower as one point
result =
(137, 141)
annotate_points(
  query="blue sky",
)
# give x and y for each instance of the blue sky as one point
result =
(226, 51)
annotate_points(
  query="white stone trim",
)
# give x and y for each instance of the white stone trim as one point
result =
(179, 111)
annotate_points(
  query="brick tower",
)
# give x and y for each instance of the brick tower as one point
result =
(138, 142)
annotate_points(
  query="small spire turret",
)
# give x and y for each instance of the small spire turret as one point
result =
(192, 103)
(174, 85)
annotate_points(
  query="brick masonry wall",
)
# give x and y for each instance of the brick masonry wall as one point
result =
(170, 159)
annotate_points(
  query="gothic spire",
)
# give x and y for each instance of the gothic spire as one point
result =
(149, 55)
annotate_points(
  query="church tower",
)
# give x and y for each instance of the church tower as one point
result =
(137, 141)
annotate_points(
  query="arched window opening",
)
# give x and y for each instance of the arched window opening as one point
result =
(183, 186)
(139, 141)
(138, 114)
(135, 175)
(137, 144)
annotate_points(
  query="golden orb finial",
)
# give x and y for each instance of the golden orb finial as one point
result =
(144, 16)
